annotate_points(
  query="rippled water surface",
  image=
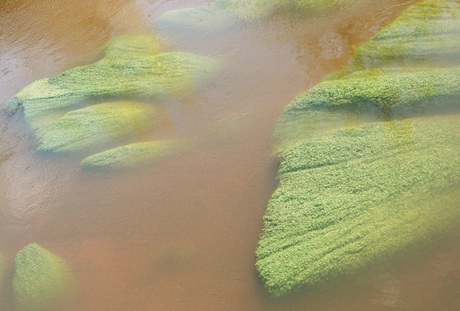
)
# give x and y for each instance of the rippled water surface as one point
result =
(181, 235)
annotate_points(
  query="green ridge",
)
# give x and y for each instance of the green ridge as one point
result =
(42, 280)
(88, 128)
(369, 158)
(133, 155)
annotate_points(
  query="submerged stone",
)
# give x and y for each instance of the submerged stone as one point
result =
(369, 160)
(221, 15)
(42, 280)
(96, 125)
(86, 109)
(133, 155)
(134, 67)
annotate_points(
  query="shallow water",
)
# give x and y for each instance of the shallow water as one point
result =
(181, 235)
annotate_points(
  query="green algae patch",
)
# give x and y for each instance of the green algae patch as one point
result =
(369, 158)
(90, 127)
(133, 155)
(316, 7)
(225, 14)
(425, 33)
(359, 195)
(42, 280)
(133, 68)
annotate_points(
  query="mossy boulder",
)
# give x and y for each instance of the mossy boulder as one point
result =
(134, 67)
(133, 155)
(42, 280)
(424, 34)
(369, 162)
(97, 125)
(221, 15)
(100, 106)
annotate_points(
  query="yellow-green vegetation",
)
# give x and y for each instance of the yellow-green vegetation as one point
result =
(369, 158)
(42, 281)
(88, 128)
(424, 34)
(221, 14)
(133, 68)
(100, 105)
(133, 155)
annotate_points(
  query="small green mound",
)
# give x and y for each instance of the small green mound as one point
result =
(89, 128)
(42, 280)
(133, 155)
(369, 157)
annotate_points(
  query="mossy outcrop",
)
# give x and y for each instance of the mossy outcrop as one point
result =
(42, 281)
(97, 106)
(223, 14)
(133, 155)
(96, 125)
(369, 158)
(134, 67)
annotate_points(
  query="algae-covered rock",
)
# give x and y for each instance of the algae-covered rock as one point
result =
(359, 195)
(133, 155)
(220, 15)
(42, 280)
(88, 108)
(133, 68)
(425, 33)
(90, 127)
(369, 161)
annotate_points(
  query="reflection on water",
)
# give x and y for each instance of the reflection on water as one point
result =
(181, 235)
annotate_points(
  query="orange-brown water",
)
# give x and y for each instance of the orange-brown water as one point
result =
(181, 235)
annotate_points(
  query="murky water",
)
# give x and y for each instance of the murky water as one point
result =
(181, 235)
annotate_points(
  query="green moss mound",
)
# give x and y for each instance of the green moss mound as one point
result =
(134, 67)
(42, 280)
(369, 160)
(133, 155)
(93, 126)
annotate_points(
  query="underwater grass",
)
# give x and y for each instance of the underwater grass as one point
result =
(134, 67)
(369, 161)
(221, 15)
(360, 194)
(87, 128)
(133, 155)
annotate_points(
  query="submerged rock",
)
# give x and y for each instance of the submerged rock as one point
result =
(133, 68)
(222, 15)
(96, 125)
(369, 159)
(85, 108)
(42, 280)
(133, 155)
